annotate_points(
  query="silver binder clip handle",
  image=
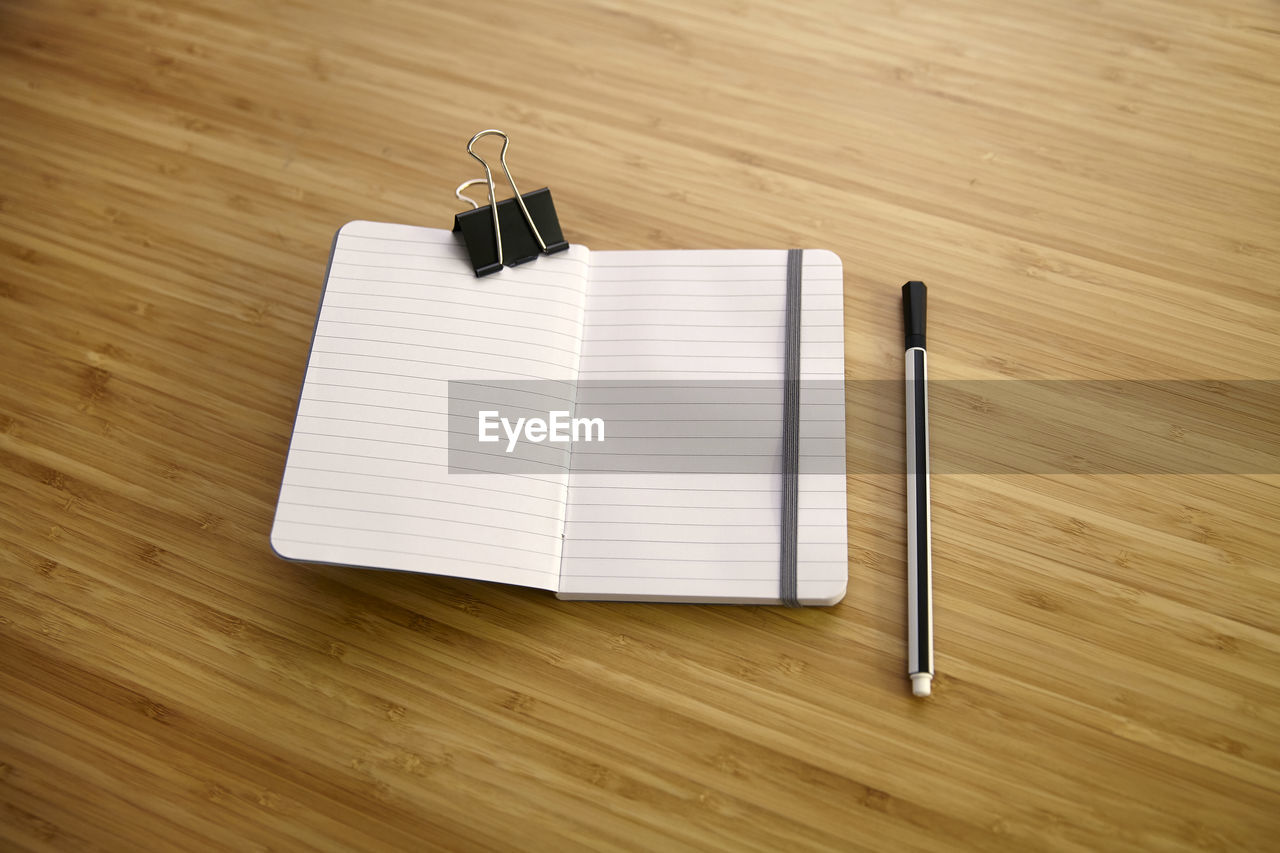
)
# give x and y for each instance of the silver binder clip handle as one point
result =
(475, 205)
(493, 198)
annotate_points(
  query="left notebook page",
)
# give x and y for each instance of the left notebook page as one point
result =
(368, 480)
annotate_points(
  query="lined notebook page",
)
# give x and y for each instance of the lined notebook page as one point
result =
(367, 481)
(705, 326)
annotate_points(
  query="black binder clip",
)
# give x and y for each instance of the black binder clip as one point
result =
(508, 232)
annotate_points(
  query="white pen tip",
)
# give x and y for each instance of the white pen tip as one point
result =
(920, 682)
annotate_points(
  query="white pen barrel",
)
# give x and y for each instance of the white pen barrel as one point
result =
(919, 563)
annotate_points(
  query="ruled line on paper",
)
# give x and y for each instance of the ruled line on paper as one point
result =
(419, 482)
(357, 559)
(382, 349)
(338, 300)
(419, 329)
(429, 498)
(433, 466)
(434, 536)
(415, 285)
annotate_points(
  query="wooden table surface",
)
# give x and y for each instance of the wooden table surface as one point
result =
(1092, 192)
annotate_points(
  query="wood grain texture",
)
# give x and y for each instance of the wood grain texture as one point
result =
(1091, 190)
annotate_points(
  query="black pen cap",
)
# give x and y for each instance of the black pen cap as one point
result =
(913, 313)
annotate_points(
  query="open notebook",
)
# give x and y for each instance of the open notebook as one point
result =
(679, 355)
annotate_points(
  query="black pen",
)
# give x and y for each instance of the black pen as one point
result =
(919, 563)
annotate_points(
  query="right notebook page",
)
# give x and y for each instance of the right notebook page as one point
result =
(683, 360)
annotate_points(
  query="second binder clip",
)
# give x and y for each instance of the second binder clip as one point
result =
(508, 232)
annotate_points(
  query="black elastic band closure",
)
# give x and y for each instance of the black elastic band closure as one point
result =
(791, 434)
